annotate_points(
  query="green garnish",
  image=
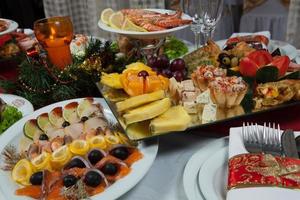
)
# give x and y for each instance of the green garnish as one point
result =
(174, 48)
(8, 117)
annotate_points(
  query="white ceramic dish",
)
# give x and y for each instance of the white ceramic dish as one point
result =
(139, 169)
(12, 26)
(212, 176)
(146, 35)
(21, 103)
(191, 170)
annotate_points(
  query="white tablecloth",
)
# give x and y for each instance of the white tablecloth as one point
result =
(271, 16)
(164, 179)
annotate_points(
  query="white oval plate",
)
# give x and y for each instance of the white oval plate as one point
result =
(191, 170)
(146, 35)
(22, 104)
(139, 169)
(212, 176)
(12, 26)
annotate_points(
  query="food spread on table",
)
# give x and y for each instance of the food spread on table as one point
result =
(140, 20)
(8, 115)
(70, 152)
(210, 84)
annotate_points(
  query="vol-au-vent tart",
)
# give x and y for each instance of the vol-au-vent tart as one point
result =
(227, 91)
(204, 74)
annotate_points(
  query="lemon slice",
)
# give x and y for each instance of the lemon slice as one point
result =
(105, 14)
(42, 161)
(116, 20)
(22, 171)
(60, 157)
(98, 142)
(111, 140)
(130, 26)
(79, 147)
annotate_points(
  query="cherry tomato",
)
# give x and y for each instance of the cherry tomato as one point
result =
(260, 57)
(248, 67)
(282, 63)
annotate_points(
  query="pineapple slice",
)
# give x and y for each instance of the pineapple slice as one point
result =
(111, 80)
(139, 100)
(147, 111)
(174, 119)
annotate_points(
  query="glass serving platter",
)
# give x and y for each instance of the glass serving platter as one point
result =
(213, 115)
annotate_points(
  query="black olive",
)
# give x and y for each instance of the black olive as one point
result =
(110, 169)
(76, 162)
(84, 118)
(36, 178)
(92, 179)
(69, 180)
(120, 152)
(43, 137)
(94, 156)
(65, 124)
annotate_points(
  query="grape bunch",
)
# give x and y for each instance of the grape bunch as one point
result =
(161, 64)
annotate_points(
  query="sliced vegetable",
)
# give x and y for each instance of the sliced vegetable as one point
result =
(282, 63)
(31, 129)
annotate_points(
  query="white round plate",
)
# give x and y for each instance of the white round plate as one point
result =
(146, 35)
(212, 176)
(285, 48)
(22, 104)
(12, 26)
(139, 169)
(191, 170)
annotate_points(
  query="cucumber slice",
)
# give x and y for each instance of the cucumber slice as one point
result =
(32, 130)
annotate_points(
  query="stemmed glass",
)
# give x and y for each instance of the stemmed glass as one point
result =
(192, 8)
(211, 11)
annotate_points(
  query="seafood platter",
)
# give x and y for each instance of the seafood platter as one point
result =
(71, 150)
(143, 23)
(212, 84)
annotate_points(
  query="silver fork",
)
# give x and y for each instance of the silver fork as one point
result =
(267, 140)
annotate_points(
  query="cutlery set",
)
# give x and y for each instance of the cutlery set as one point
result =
(269, 139)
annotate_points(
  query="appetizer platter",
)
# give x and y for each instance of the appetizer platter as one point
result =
(143, 23)
(212, 84)
(71, 149)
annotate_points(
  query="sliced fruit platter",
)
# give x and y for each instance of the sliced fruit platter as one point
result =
(143, 23)
(71, 150)
(205, 86)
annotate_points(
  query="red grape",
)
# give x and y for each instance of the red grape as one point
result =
(167, 73)
(177, 64)
(143, 73)
(162, 61)
(152, 61)
(178, 75)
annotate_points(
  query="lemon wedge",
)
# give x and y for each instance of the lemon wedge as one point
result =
(105, 14)
(42, 161)
(116, 20)
(60, 157)
(98, 142)
(22, 171)
(111, 140)
(130, 26)
(79, 147)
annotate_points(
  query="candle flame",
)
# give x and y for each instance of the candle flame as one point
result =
(52, 33)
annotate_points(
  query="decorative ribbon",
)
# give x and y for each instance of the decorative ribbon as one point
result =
(253, 170)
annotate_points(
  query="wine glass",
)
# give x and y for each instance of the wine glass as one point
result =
(211, 11)
(192, 8)
(55, 35)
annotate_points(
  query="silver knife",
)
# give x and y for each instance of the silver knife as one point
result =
(289, 147)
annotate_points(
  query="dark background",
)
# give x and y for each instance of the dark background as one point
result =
(24, 12)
